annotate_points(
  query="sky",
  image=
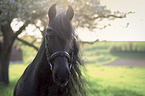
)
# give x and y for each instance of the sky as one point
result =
(132, 28)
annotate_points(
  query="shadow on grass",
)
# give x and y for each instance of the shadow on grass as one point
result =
(7, 90)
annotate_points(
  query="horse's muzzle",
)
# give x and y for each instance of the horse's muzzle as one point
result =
(61, 80)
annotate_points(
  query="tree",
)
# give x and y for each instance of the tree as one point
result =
(9, 10)
(32, 11)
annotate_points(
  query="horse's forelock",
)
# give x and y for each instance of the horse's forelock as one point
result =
(63, 27)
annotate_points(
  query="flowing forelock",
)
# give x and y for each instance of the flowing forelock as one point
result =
(63, 27)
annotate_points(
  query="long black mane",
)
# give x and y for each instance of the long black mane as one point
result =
(67, 33)
(34, 73)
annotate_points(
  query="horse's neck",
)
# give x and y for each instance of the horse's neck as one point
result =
(41, 66)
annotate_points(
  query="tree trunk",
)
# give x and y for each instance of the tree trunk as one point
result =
(8, 39)
(4, 62)
(5, 65)
(0, 64)
(5, 53)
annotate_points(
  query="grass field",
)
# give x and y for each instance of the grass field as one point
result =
(104, 81)
(116, 81)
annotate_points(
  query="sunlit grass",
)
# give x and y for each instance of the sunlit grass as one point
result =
(116, 81)
(15, 71)
(104, 81)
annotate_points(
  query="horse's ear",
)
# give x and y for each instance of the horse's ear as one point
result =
(52, 11)
(70, 12)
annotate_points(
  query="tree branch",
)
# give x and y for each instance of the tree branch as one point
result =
(20, 30)
(42, 32)
(34, 17)
(37, 27)
(27, 43)
(114, 16)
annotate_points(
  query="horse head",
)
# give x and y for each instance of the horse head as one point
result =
(59, 44)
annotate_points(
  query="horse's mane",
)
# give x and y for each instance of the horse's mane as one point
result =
(76, 84)
(63, 27)
(66, 33)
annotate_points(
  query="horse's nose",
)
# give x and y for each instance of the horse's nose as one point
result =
(62, 78)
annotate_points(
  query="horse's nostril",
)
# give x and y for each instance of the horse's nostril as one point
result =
(62, 79)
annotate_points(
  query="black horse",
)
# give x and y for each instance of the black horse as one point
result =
(55, 71)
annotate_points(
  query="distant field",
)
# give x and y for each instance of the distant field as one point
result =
(104, 81)
(102, 52)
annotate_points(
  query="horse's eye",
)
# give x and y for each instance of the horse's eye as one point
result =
(50, 35)
(49, 30)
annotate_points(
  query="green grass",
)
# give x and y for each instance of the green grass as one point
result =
(104, 81)
(15, 71)
(113, 81)
(97, 53)
(116, 81)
